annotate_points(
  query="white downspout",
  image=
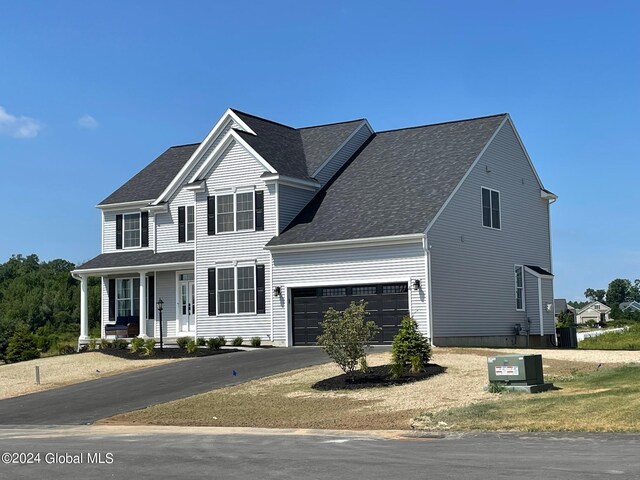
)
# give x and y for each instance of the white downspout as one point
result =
(427, 267)
(540, 306)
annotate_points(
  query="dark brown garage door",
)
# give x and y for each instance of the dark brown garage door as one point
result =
(386, 303)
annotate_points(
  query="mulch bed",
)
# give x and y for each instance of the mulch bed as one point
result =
(168, 353)
(376, 377)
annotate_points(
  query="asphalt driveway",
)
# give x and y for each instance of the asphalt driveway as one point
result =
(86, 402)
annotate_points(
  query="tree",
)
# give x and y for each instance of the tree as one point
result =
(410, 349)
(619, 291)
(22, 346)
(595, 295)
(565, 319)
(346, 336)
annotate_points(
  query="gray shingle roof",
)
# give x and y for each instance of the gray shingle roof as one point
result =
(151, 181)
(321, 141)
(136, 258)
(416, 168)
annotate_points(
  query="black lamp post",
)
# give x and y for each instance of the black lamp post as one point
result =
(159, 305)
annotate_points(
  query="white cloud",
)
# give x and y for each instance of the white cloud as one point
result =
(18, 127)
(87, 121)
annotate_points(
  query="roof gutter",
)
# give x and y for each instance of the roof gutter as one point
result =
(121, 205)
(129, 268)
(348, 243)
(290, 181)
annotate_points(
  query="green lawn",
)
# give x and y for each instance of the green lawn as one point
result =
(604, 401)
(629, 340)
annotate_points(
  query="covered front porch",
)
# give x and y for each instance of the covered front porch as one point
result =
(130, 294)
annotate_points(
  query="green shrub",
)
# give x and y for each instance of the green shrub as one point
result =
(256, 341)
(201, 342)
(183, 341)
(137, 344)
(223, 341)
(495, 387)
(93, 344)
(149, 346)
(346, 336)
(22, 346)
(192, 346)
(237, 342)
(214, 343)
(410, 349)
(591, 323)
(105, 344)
(66, 349)
(7, 329)
(119, 344)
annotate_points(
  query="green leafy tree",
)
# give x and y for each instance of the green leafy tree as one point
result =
(22, 346)
(619, 291)
(565, 319)
(595, 295)
(346, 337)
(410, 350)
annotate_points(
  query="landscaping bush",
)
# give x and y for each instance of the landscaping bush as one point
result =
(200, 341)
(223, 341)
(237, 342)
(119, 344)
(192, 346)
(183, 341)
(66, 349)
(214, 343)
(149, 346)
(346, 336)
(591, 323)
(410, 349)
(93, 344)
(105, 344)
(256, 341)
(137, 344)
(22, 346)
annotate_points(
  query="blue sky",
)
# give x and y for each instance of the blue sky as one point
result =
(90, 92)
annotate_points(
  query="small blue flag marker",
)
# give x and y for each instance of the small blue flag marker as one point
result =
(234, 373)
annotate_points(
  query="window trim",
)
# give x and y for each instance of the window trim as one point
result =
(131, 297)
(139, 214)
(186, 223)
(235, 290)
(235, 194)
(515, 281)
(491, 227)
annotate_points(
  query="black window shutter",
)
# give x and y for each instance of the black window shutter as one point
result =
(112, 299)
(118, 232)
(260, 293)
(151, 298)
(181, 225)
(212, 291)
(259, 201)
(144, 221)
(211, 215)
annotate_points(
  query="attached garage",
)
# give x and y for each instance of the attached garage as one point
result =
(387, 304)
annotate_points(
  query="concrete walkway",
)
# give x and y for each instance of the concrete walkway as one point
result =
(86, 402)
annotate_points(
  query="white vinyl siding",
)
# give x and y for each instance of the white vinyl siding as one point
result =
(291, 202)
(109, 230)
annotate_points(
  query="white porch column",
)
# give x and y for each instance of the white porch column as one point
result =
(143, 305)
(84, 308)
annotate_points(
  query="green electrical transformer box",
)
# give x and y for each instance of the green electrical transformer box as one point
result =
(516, 369)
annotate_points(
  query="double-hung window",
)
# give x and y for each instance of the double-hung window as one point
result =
(131, 230)
(490, 208)
(519, 279)
(236, 290)
(128, 297)
(235, 212)
(191, 224)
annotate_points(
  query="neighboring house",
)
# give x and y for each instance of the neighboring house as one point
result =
(596, 311)
(561, 305)
(630, 306)
(261, 227)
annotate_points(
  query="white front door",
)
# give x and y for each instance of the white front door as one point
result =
(186, 303)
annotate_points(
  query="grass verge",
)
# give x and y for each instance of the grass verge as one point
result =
(603, 401)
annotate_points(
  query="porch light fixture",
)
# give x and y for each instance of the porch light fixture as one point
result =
(277, 291)
(415, 284)
(159, 304)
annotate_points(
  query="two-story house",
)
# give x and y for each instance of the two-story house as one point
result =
(261, 227)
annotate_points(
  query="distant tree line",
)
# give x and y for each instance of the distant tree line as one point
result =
(40, 303)
(619, 291)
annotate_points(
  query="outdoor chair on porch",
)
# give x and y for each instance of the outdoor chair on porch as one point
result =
(124, 327)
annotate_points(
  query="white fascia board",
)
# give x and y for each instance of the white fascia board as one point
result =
(362, 125)
(475, 162)
(196, 187)
(213, 157)
(125, 205)
(547, 195)
(536, 274)
(290, 181)
(349, 243)
(228, 115)
(97, 272)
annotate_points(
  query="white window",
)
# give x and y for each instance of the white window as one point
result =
(490, 208)
(235, 212)
(191, 224)
(236, 290)
(131, 230)
(597, 306)
(128, 297)
(519, 278)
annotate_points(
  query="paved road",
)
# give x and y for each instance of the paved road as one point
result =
(87, 402)
(201, 455)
